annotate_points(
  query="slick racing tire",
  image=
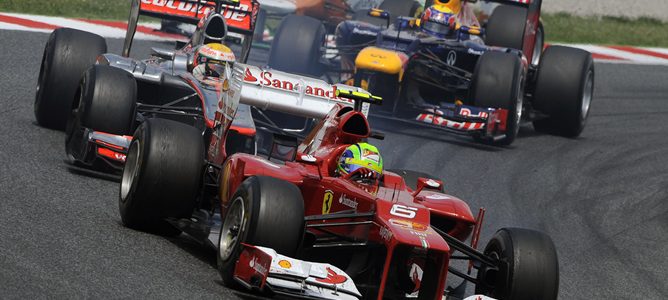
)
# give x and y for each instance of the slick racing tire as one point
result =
(529, 266)
(498, 82)
(564, 90)
(105, 101)
(108, 100)
(505, 28)
(162, 175)
(68, 53)
(297, 46)
(264, 211)
(411, 177)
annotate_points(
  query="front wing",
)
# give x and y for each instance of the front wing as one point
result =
(261, 268)
(485, 123)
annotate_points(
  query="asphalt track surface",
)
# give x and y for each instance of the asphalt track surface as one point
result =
(603, 197)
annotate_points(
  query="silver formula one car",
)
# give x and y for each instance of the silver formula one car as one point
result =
(100, 109)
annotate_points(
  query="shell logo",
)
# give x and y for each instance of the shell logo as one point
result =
(285, 264)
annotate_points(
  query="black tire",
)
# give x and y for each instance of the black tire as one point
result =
(532, 266)
(564, 90)
(411, 177)
(498, 82)
(108, 100)
(401, 8)
(273, 214)
(162, 175)
(505, 27)
(67, 54)
(297, 46)
(538, 45)
(105, 101)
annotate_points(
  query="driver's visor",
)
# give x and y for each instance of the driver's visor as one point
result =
(437, 28)
(354, 164)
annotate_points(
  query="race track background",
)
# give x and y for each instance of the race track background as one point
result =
(603, 197)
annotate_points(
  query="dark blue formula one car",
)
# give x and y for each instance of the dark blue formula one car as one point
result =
(441, 68)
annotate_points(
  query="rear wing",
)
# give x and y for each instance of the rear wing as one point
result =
(240, 15)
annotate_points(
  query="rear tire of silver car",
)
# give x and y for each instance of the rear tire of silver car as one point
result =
(297, 46)
(498, 82)
(162, 175)
(564, 90)
(67, 54)
(529, 266)
(264, 211)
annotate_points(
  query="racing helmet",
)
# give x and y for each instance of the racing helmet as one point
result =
(360, 155)
(439, 20)
(210, 60)
(454, 5)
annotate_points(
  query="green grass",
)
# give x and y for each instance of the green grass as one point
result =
(561, 27)
(605, 30)
(93, 9)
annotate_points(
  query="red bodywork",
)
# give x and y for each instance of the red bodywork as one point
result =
(398, 217)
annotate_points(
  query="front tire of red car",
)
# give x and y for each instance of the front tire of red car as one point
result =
(529, 267)
(162, 175)
(264, 211)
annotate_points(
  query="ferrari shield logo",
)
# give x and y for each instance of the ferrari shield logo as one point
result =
(327, 202)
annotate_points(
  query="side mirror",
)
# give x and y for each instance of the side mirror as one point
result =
(428, 183)
(381, 14)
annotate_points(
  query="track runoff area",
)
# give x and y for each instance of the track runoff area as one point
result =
(148, 31)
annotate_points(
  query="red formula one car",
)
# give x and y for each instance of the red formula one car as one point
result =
(290, 224)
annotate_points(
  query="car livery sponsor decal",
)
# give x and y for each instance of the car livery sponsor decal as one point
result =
(468, 113)
(352, 203)
(327, 202)
(332, 277)
(257, 266)
(269, 79)
(385, 233)
(236, 17)
(405, 224)
(285, 264)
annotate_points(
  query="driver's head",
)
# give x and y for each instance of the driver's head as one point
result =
(439, 20)
(210, 59)
(453, 5)
(360, 155)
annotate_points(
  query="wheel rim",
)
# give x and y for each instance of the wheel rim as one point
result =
(538, 47)
(131, 170)
(231, 230)
(519, 103)
(43, 70)
(587, 95)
